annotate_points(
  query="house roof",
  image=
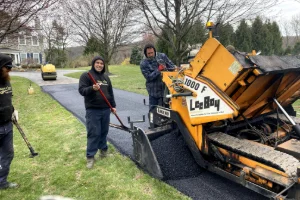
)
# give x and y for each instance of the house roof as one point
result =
(9, 50)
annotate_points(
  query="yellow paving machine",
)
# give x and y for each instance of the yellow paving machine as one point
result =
(234, 111)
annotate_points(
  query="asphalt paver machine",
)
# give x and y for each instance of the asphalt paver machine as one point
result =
(234, 111)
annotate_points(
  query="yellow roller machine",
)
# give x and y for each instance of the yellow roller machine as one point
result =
(48, 72)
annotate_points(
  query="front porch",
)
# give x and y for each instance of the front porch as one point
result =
(14, 53)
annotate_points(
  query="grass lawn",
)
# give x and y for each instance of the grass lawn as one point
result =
(125, 77)
(296, 106)
(60, 140)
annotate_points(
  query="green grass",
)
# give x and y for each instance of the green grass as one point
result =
(72, 68)
(296, 106)
(125, 77)
(60, 140)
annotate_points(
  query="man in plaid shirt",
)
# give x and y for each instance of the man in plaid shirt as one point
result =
(151, 68)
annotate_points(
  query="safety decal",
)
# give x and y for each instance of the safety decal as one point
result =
(164, 112)
(235, 67)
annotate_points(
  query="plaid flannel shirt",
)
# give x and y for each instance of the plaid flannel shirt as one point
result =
(149, 68)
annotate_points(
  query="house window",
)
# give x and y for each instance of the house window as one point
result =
(23, 57)
(35, 41)
(29, 40)
(22, 40)
(36, 57)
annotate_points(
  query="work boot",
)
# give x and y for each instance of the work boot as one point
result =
(103, 153)
(8, 185)
(90, 163)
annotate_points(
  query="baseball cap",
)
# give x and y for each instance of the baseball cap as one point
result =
(6, 61)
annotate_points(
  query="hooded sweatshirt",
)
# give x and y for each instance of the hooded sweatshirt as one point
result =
(6, 107)
(92, 98)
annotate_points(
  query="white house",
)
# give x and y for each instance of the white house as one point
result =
(26, 46)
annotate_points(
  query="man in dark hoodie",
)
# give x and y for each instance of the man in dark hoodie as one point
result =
(151, 68)
(6, 127)
(97, 110)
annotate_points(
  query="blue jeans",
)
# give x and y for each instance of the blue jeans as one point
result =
(6, 150)
(153, 101)
(97, 124)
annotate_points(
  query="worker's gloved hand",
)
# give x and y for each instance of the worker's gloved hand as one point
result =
(15, 116)
(161, 67)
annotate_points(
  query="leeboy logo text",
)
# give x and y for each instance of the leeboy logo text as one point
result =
(206, 104)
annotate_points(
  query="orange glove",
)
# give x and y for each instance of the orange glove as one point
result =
(161, 67)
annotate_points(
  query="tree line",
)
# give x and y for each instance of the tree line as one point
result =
(263, 36)
(104, 25)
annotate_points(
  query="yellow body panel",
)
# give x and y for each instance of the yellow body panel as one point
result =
(196, 131)
(48, 68)
(220, 65)
(203, 56)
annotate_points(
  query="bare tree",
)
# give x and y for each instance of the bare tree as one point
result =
(286, 30)
(295, 25)
(48, 32)
(15, 14)
(106, 20)
(236, 10)
(57, 31)
(176, 17)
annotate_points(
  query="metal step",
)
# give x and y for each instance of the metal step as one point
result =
(259, 152)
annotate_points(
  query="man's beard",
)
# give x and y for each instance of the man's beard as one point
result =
(4, 76)
(151, 58)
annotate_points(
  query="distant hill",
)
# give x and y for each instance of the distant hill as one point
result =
(122, 52)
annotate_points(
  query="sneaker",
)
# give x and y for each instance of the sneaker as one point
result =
(103, 153)
(8, 185)
(90, 163)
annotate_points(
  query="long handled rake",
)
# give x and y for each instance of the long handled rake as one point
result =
(107, 102)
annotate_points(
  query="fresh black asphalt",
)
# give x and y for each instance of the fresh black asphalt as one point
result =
(179, 168)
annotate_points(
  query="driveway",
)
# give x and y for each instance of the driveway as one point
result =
(176, 161)
(35, 76)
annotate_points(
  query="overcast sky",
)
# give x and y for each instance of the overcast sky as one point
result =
(285, 10)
